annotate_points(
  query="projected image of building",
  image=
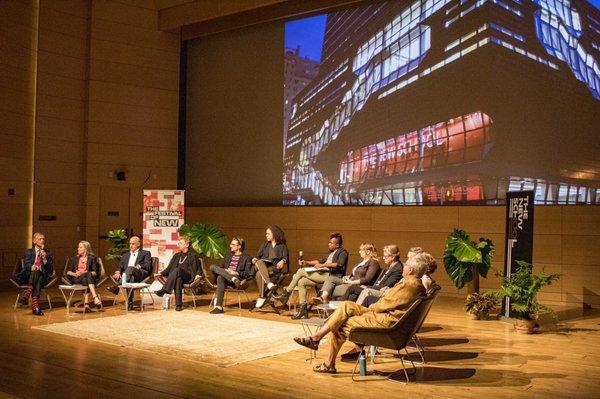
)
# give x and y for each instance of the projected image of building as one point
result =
(450, 101)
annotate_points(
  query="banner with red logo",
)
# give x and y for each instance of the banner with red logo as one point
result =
(164, 212)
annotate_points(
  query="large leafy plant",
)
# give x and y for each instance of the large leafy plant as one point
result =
(466, 260)
(206, 239)
(118, 238)
(522, 288)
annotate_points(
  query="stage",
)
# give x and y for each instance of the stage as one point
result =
(465, 358)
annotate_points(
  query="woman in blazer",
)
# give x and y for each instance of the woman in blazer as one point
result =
(365, 273)
(235, 268)
(271, 260)
(85, 270)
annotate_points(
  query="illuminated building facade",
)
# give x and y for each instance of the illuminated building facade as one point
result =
(450, 101)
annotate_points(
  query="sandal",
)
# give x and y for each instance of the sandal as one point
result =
(307, 342)
(97, 302)
(323, 368)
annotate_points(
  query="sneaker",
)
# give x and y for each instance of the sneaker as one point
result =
(216, 311)
(260, 302)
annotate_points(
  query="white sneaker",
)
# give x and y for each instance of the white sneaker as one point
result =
(270, 285)
(260, 302)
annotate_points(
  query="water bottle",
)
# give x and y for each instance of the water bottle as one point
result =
(166, 300)
(362, 363)
(123, 279)
(373, 351)
(300, 257)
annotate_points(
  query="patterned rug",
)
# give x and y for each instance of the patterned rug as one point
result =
(222, 340)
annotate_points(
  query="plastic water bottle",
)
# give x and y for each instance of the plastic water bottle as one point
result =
(373, 351)
(166, 300)
(362, 364)
(124, 279)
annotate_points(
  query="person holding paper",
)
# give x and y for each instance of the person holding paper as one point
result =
(270, 261)
(365, 273)
(315, 273)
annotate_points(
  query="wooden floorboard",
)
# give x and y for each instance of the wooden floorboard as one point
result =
(465, 359)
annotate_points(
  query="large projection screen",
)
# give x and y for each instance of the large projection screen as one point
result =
(426, 102)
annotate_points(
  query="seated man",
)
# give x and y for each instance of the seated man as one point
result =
(235, 268)
(386, 312)
(135, 265)
(387, 279)
(182, 269)
(38, 266)
(335, 262)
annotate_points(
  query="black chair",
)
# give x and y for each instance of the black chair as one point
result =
(190, 289)
(396, 337)
(151, 275)
(431, 293)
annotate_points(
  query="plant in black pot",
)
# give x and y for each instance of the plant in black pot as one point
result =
(522, 288)
(466, 260)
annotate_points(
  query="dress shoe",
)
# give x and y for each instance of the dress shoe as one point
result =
(302, 313)
(243, 284)
(283, 298)
(37, 312)
(179, 308)
(114, 290)
(216, 311)
(160, 292)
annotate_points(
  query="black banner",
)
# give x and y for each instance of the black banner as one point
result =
(519, 234)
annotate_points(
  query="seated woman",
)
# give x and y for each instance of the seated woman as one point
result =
(235, 268)
(431, 268)
(365, 273)
(183, 269)
(84, 269)
(334, 262)
(270, 261)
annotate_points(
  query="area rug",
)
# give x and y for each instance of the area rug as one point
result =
(222, 340)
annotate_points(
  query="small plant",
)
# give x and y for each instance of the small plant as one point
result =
(206, 239)
(118, 238)
(480, 305)
(522, 288)
(465, 260)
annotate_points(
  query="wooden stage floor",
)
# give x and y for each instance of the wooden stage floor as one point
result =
(465, 359)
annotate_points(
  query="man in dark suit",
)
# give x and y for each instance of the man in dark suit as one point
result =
(386, 280)
(38, 266)
(183, 269)
(135, 265)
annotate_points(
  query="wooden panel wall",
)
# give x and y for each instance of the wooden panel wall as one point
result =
(92, 91)
(567, 238)
(18, 47)
(133, 105)
(60, 156)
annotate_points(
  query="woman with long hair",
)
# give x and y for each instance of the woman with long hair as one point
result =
(85, 270)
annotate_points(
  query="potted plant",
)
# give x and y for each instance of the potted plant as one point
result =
(206, 239)
(466, 260)
(522, 288)
(480, 305)
(118, 239)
